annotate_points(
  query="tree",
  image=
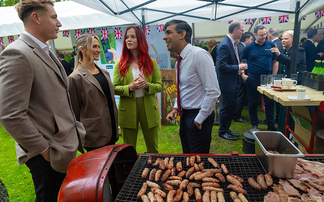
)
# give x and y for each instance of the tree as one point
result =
(13, 2)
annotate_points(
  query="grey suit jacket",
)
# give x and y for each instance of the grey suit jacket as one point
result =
(35, 106)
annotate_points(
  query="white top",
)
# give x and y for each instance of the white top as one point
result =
(198, 85)
(136, 73)
(44, 46)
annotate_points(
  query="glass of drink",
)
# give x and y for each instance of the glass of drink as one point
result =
(294, 77)
(263, 80)
(269, 80)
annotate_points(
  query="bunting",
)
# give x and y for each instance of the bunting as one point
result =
(249, 21)
(230, 21)
(283, 19)
(78, 33)
(92, 31)
(147, 30)
(304, 18)
(104, 34)
(11, 39)
(159, 28)
(1, 41)
(319, 13)
(118, 33)
(66, 33)
(266, 20)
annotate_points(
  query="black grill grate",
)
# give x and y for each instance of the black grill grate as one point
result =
(243, 166)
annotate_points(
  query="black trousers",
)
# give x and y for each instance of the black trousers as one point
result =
(241, 100)
(47, 181)
(226, 111)
(194, 140)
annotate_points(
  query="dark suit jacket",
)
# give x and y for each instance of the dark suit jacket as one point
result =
(227, 66)
(240, 48)
(213, 54)
(320, 48)
(301, 62)
(67, 67)
(311, 55)
(281, 49)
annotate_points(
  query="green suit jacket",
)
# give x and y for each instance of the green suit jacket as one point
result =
(127, 102)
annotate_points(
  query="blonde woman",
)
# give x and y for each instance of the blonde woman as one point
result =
(92, 95)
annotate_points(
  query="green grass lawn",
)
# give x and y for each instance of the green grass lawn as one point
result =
(19, 184)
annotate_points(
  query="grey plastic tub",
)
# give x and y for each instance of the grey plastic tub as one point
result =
(279, 165)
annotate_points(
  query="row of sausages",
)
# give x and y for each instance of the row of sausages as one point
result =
(263, 182)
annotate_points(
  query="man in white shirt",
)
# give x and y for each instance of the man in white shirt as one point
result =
(198, 88)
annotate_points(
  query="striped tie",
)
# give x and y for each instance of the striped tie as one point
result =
(236, 53)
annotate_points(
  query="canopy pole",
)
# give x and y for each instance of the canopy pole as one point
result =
(294, 50)
(193, 33)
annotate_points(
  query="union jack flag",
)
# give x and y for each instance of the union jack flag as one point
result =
(92, 31)
(104, 34)
(78, 33)
(147, 30)
(118, 33)
(249, 21)
(159, 28)
(1, 42)
(230, 21)
(319, 13)
(266, 20)
(11, 39)
(66, 33)
(283, 19)
(304, 18)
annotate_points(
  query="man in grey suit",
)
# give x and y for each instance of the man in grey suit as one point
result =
(35, 106)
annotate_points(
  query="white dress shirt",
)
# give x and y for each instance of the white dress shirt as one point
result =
(198, 85)
(44, 46)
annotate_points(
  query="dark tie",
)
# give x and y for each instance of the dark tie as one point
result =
(178, 82)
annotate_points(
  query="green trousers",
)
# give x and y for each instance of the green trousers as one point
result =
(150, 135)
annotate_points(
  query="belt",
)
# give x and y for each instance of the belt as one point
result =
(251, 74)
(190, 110)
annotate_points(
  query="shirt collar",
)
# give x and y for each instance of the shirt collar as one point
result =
(311, 40)
(44, 46)
(185, 50)
(243, 44)
(274, 39)
(232, 40)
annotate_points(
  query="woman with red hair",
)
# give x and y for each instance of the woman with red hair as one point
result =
(137, 79)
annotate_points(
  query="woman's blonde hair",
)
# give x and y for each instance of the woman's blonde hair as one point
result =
(84, 41)
(290, 32)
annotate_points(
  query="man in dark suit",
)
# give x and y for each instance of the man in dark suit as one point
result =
(310, 49)
(212, 45)
(246, 39)
(320, 49)
(67, 66)
(228, 67)
(35, 107)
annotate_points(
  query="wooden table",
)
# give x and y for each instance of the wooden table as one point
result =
(316, 100)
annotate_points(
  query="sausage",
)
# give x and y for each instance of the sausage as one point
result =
(213, 196)
(189, 190)
(202, 175)
(183, 184)
(210, 184)
(145, 172)
(192, 160)
(196, 167)
(145, 198)
(206, 197)
(153, 184)
(175, 178)
(220, 197)
(158, 198)
(233, 181)
(189, 172)
(198, 158)
(182, 173)
(197, 195)
(214, 170)
(170, 195)
(157, 162)
(220, 177)
(194, 184)
(194, 175)
(173, 171)
(242, 197)
(151, 197)
(152, 175)
(165, 175)
(178, 196)
(234, 197)
(158, 175)
(171, 164)
(268, 179)
(209, 179)
(201, 166)
(166, 162)
(254, 184)
(185, 197)
(162, 165)
(212, 189)
(260, 180)
(213, 162)
(158, 191)
(142, 191)
(149, 161)
(237, 177)
(174, 182)
(237, 189)
(188, 161)
(167, 187)
(224, 169)
(179, 166)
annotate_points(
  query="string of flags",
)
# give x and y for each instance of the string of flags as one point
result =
(159, 28)
(92, 31)
(1, 41)
(249, 21)
(78, 33)
(104, 34)
(11, 39)
(66, 33)
(118, 33)
(283, 19)
(319, 13)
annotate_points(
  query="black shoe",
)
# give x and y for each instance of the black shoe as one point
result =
(272, 128)
(233, 134)
(227, 136)
(263, 122)
(240, 120)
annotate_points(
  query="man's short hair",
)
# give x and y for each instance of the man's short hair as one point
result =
(257, 28)
(303, 39)
(26, 7)
(311, 33)
(245, 36)
(234, 25)
(61, 55)
(274, 32)
(180, 26)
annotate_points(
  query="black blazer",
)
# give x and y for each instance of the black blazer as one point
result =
(213, 54)
(240, 48)
(311, 55)
(67, 67)
(281, 49)
(320, 48)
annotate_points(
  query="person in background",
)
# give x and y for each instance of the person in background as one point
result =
(245, 40)
(285, 58)
(302, 40)
(310, 49)
(213, 49)
(137, 79)
(228, 67)
(260, 61)
(92, 95)
(173, 58)
(320, 48)
(67, 66)
(35, 107)
(197, 86)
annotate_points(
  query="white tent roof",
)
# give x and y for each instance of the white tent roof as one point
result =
(71, 14)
